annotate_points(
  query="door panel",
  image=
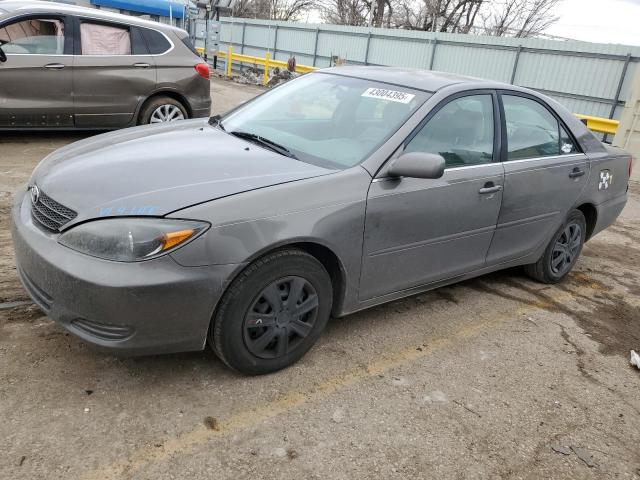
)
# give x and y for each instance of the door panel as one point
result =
(109, 86)
(537, 196)
(544, 176)
(35, 81)
(420, 231)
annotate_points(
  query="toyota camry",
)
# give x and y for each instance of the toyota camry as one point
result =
(340, 190)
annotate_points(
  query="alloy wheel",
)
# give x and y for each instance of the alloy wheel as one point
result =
(280, 317)
(566, 248)
(166, 113)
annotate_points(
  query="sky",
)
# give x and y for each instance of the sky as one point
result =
(600, 21)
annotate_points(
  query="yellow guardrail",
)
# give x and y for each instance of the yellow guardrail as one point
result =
(597, 124)
(267, 62)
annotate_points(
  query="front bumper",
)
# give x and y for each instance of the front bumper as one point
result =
(155, 306)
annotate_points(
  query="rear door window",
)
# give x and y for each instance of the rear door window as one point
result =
(567, 145)
(138, 44)
(34, 36)
(104, 39)
(532, 131)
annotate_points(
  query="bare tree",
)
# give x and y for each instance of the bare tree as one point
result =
(458, 16)
(346, 12)
(519, 18)
(285, 10)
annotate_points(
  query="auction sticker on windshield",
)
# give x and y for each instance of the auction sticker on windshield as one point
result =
(392, 95)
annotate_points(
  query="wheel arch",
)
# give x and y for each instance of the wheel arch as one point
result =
(321, 252)
(164, 93)
(591, 216)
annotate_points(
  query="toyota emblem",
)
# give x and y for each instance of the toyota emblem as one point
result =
(35, 194)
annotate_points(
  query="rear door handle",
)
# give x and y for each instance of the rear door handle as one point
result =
(54, 66)
(576, 172)
(489, 187)
(141, 65)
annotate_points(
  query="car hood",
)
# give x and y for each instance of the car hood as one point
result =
(155, 170)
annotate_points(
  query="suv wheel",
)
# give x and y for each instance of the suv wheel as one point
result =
(162, 109)
(273, 313)
(562, 252)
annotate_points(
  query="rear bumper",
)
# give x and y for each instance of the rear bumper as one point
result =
(608, 212)
(201, 104)
(156, 306)
(202, 112)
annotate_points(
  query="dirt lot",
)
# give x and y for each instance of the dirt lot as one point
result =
(479, 380)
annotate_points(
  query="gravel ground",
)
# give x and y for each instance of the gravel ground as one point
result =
(498, 377)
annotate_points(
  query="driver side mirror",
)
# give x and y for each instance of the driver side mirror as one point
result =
(418, 165)
(3, 56)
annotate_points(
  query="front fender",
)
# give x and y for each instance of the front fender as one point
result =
(327, 211)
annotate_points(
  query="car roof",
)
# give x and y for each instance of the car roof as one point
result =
(8, 7)
(427, 80)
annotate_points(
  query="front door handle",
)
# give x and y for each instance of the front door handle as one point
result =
(576, 172)
(141, 65)
(490, 187)
(54, 66)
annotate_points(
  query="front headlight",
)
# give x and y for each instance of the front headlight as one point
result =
(131, 239)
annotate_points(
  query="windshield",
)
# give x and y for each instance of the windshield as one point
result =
(327, 120)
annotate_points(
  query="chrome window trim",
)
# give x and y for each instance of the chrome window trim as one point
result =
(532, 159)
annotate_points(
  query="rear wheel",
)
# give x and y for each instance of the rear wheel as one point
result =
(162, 109)
(273, 313)
(562, 252)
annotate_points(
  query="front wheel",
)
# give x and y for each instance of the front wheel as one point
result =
(562, 252)
(273, 313)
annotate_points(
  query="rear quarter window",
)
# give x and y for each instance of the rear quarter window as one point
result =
(187, 43)
(156, 41)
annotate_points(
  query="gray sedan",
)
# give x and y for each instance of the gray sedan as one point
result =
(338, 191)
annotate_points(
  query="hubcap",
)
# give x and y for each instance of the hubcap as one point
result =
(566, 248)
(166, 113)
(281, 316)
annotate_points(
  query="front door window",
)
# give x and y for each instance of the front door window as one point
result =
(33, 37)
(461, 131)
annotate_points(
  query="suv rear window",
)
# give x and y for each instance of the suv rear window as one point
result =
(156, 41)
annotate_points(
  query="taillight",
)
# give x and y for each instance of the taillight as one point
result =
(203, 70)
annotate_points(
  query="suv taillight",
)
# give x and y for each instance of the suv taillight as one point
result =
(203, 70)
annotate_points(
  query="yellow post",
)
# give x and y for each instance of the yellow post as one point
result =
(265, 75)
(229, 60)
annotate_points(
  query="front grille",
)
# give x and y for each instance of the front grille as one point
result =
(49, 214)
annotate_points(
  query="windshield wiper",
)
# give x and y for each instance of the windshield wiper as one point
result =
(265, 142)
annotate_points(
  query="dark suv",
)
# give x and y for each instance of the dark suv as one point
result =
(72, 67)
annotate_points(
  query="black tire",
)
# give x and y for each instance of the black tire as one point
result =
(552, 268)
(237, 333)
(144, 118)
